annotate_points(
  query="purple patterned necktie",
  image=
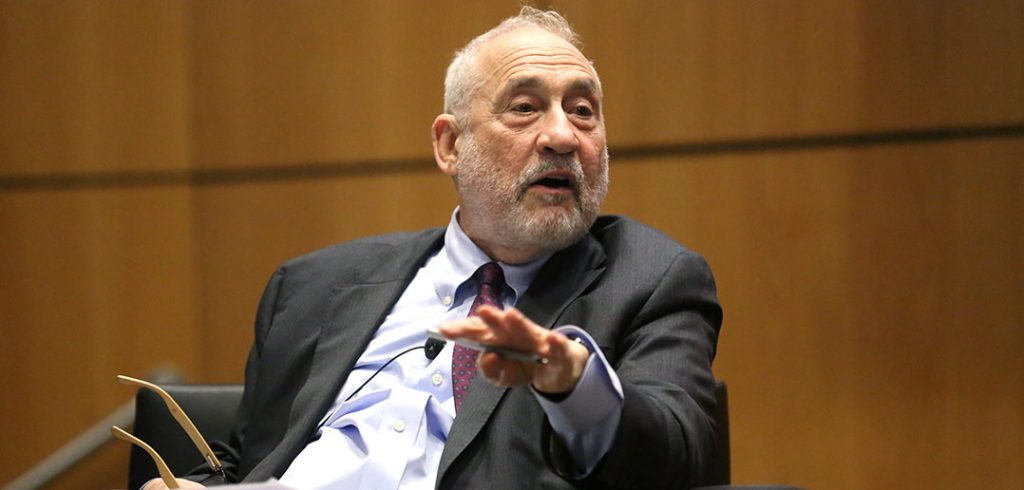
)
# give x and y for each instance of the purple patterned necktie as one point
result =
(491, 281)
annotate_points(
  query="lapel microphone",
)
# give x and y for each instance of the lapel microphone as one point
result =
(432, 348)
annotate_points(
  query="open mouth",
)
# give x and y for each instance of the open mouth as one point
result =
(554, 182)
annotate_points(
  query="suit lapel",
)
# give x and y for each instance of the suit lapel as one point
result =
(353, 314)
(565, 276)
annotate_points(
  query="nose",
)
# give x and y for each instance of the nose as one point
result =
(557, 136)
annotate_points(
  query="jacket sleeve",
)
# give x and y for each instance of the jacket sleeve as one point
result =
(665, 438)
(229, 453)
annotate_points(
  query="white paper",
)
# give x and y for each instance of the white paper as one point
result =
(271, 484)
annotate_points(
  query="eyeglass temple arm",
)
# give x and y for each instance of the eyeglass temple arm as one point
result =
(161, 466)
(182, 418)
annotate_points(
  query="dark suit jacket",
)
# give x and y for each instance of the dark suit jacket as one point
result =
(649, 303)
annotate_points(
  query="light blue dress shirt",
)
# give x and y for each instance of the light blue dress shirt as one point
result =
(391, 434)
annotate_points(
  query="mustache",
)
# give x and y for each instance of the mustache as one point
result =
(549, 163)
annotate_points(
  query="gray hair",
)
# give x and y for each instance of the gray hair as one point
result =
(462, 77)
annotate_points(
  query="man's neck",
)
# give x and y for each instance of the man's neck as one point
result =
(513, 255)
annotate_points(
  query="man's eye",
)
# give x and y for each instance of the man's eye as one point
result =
(522, 108)
(583, 111)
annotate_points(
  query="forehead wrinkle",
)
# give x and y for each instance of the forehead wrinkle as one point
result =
(576, 85)
(518, 60)
(509, 78)
(532, 46)
(527, 51)
(504, 58)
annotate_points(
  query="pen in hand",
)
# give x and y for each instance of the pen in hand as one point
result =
(505, 352)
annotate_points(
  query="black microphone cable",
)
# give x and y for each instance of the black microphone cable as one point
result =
(431, 349)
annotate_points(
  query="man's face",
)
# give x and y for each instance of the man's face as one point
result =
(533, 163)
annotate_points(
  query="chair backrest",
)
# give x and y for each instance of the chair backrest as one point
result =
(721, 468)
(211, 407)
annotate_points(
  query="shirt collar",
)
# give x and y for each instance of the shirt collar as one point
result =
(460, 258)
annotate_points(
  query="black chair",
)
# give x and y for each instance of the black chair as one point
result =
(211, 407)
(720, 472)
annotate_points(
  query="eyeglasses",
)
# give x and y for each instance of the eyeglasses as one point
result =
(161, 466)
(183, 421)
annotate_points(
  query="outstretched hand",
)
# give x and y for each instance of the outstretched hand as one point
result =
(510, 328)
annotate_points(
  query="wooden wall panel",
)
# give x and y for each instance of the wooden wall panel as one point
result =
(92, 86)
(246, 231)
(96, 283)
(694, 71)
(940, 277)
(298, 83)
(983, 44)
(873, 320)
(106, 468)
(314, 82)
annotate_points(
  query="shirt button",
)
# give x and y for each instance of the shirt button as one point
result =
(437, 379)
(447, 300)
(399, 426)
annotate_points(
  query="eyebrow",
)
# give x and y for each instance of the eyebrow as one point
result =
(522, 82)
(514, 85)
(584, 85)
(576, 86)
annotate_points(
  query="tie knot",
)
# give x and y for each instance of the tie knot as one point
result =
(490, 274)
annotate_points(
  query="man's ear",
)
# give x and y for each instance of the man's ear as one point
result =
(445, 133)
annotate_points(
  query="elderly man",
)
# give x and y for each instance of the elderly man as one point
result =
(623, 320)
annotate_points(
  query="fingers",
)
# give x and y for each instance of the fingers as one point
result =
(502, 371)
(472, 328)
(559, 346)
(513, 329)
(510, 328)
(506, 328)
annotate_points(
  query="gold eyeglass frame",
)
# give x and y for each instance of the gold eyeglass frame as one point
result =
(182, 419)
(161, 466)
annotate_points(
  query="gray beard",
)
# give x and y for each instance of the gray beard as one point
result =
(508, 222)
